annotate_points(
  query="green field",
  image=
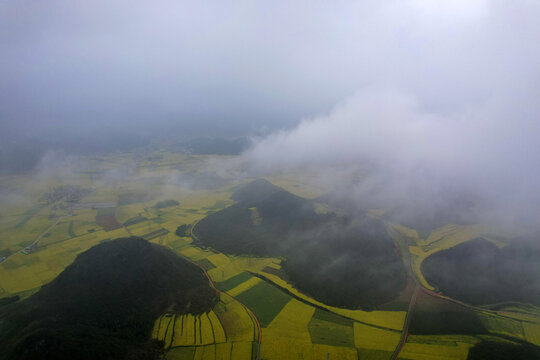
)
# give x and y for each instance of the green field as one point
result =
(205, 264)
(369, 354)
(233, 282)
(265, 301)
(330, 329)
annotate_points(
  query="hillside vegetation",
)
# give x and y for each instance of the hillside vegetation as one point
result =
(340, 261)
(479, 272)
(103, 306)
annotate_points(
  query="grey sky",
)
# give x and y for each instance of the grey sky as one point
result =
(236, 65)
(246, 65)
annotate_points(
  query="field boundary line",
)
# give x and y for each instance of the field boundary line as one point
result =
(317, 306)
(405, 331)
(35, 242)
(248, 310)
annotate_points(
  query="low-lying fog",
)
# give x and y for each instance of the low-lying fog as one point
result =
(426, 108)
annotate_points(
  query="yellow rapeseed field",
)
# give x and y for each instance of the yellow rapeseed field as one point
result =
(420, 351)
(248, 263)
(244, 286)
(291, 322)
(390, 319)
(219, 259)
(502, 325)
(287, 336)
(236, 322)
(532, 332)
(334, 352)
(219, 332)
(224, 272)
(242, 350)
(286, 348)
(126, 212)
(368, 337)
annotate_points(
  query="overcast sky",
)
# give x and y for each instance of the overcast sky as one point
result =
(250, 65)
(236, 65)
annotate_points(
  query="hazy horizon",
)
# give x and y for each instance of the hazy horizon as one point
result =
(426, 102)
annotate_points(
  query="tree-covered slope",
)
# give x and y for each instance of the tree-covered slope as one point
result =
(338, 260)
(103, 306)
(479, 272)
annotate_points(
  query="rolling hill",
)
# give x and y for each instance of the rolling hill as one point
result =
(341, 261)
(478, 272)
(103, 306)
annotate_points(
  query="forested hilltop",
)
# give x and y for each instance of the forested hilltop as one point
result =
(103, 306)
(478, 272)
(339, 260)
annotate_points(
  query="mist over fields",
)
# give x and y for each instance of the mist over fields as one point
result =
(412, 105)
(348, 179)
(384, 150)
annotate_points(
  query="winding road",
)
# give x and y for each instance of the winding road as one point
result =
(419, 286)
(405, 331)
(248, 310)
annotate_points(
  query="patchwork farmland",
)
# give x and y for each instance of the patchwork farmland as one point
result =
(261, 314)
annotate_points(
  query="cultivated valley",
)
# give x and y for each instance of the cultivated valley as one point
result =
(270, 180)
(148, 262)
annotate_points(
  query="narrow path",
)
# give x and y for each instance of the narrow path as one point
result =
(412, 302)
(46, 231)
(35, 242)
(503, 314)
(317, 306)
(248, 310)
(419, 286)
(127, 230)
(405, 331)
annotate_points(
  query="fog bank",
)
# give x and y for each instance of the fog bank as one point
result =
(455, 127)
